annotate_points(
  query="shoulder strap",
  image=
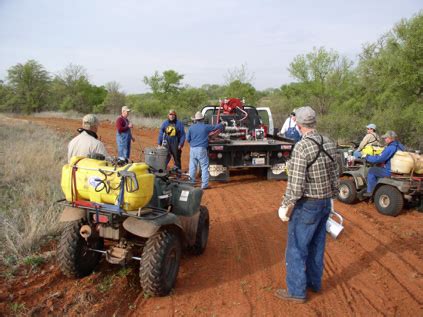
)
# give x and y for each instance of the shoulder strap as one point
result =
(321, 149)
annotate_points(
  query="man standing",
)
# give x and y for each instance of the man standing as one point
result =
(312, 183)
(290, 129)
(198, 139)
(172, 136)
(371, 138)
(124, 133)
(375, 172)
(87, 143)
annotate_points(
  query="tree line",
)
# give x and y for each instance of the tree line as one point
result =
(385, 87)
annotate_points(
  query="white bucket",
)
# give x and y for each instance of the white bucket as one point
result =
(333, 227)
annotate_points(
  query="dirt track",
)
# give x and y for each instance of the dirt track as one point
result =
(374, 268)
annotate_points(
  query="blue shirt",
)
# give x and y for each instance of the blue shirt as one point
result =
(386, 155)
(179, 135)
(198, 134)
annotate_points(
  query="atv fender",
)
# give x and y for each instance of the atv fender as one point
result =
(72, 214)
(359, 180)
(146, 228)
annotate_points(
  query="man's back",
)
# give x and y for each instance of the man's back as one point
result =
(84, 145)
(198, 134)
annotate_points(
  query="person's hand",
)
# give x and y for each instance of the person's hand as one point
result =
(283, 213)
(130, 125)
(179, 147)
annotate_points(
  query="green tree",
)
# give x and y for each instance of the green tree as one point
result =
(72, 90)
(166, 85)
(390, 75)
(30, 85)
(238, 89)
(114, 100)
(323, 73)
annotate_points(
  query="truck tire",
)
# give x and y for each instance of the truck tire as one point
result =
(347, 191)
(160, 263)
(389, 200)
(74, 258)
(202, 235)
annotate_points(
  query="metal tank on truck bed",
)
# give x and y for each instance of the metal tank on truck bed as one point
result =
(248, 141)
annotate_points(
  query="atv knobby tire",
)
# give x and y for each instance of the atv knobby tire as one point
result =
(347, 191)
(74, 258)
(389, 200)
(160, 263)
(202, 233)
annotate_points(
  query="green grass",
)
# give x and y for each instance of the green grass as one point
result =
(106, 284)
(33, 261)
(17, 308)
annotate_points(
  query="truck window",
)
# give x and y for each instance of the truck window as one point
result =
(208, 116)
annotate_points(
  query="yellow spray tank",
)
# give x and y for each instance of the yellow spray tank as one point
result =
(99, 181)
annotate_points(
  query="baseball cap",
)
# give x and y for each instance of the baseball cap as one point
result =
(306, 116)
(371, 126)
(172, 111)
(90, 120)
(126, 108)
(390, 134)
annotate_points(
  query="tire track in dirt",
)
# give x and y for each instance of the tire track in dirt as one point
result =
(371, 269)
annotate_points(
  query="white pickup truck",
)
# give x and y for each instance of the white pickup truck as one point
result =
(249, 141)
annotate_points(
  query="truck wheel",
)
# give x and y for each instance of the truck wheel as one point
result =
(202, 234)
(389, 200)
(347, 191)
(74, 257)
(160, 263)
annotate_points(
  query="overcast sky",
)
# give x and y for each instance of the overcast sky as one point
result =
(124, 41)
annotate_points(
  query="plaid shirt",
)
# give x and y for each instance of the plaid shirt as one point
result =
(321, 179)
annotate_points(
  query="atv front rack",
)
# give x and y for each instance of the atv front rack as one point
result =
(146, 213)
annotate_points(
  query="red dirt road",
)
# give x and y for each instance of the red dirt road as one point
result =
(374, 268)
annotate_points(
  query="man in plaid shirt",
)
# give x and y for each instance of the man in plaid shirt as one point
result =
(312, 183)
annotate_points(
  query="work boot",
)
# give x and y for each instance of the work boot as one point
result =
(284, 295)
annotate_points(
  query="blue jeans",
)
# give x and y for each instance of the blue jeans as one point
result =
(357, 154)
(123, 141)
(199, 156)
(372, 176)
(306, 246)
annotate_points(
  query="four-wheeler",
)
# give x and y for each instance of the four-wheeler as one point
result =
(126, 213)
(390, 193)
(246, 142)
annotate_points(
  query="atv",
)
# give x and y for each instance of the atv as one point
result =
(154, 235)
(390, 194)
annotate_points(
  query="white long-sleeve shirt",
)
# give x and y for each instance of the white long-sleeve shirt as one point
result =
(289, 123)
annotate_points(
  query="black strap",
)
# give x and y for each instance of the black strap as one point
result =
(321, 149)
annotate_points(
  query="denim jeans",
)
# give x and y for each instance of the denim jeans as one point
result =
(123, 141)
(199, 156)
(306, 246)
(372, 176)
(357, 154)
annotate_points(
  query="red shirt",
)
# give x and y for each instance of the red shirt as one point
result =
(122, 124)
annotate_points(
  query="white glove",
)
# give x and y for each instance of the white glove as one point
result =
(283, 213)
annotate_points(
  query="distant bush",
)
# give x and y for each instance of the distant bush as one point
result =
(31, 159)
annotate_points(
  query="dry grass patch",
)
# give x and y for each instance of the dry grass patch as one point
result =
(31, 158)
